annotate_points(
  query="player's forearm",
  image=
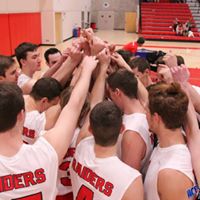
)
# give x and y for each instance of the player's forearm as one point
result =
(53, 69)
(195, 97)
(191, 124)
(142, 93)
(65, 71)
(61, 135)
(80, 90)
(98, 89)
(192, 127)
(97, 95)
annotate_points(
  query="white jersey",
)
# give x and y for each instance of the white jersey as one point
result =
(64, 185)
(197, 88)
(198, 91)
(175, 157)
(33, 126)
(138, 122)
(22, 79)
(30, 174)
(99, 178)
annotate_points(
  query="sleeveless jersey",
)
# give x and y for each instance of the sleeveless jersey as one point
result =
(197, 88)
(138, 122)
(64, 179)
(22, 79)
(33, 126)
(198, 91)
(175, 157)
(30, 174)
(99, 178)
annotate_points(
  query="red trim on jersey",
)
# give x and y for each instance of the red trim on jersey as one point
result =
(68, 196)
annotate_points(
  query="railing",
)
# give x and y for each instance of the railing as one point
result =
(198, 2)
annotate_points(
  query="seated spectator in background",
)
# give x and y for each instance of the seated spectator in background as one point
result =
(187, 29)
(45, 93)
(190, 34)
(183, 29)
(133, 46)
(8, 69)
(179, 29)
(188, 24)
(52, 56)
(175, 24)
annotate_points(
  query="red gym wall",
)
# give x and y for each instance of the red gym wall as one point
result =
(5, 47)
(17, 28)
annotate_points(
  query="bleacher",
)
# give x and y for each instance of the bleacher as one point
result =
(156, 19)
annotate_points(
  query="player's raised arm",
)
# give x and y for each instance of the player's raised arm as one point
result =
(60, 136)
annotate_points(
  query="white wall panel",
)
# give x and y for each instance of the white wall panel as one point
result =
(21, 6)
(71, 5)
(118, 6)
(46, 5)
(3, 6)
(71, 10)
(48, 27)
(70, 19)
(71, 14)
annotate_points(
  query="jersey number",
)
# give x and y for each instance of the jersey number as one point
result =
(66, 181)
(37, 196)
(84, 193)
